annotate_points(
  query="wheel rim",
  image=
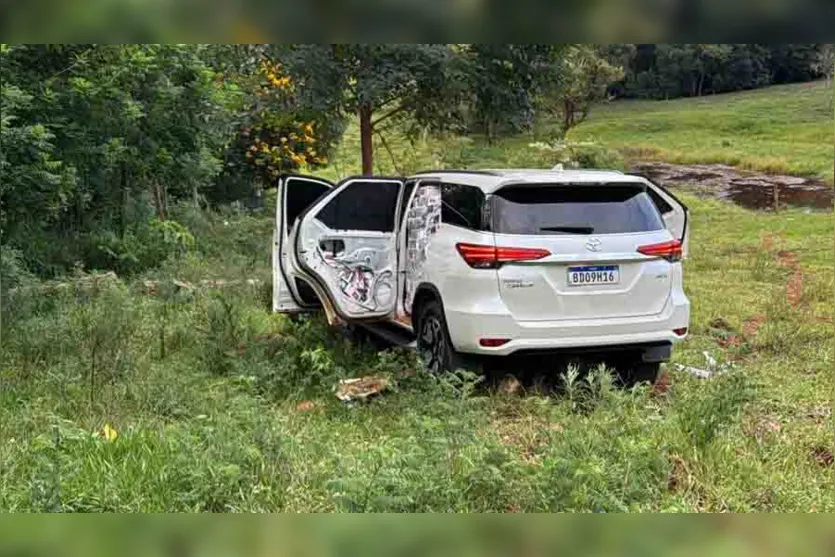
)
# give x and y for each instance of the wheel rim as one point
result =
(432, 343)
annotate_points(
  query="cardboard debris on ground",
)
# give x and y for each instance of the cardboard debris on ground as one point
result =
(360, 388)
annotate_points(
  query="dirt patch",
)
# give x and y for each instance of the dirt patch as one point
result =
(752, 324)
(823, 456)
(749, 189)
(794, 286)
(661, 386)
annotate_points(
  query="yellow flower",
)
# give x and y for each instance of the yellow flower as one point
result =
(109, 433)
(308, 128)
(284, 140)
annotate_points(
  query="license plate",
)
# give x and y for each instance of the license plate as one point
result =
(594, 274)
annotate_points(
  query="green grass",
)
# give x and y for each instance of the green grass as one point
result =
(221, 405)
(785, 129)
(782, 129)
(212, 422)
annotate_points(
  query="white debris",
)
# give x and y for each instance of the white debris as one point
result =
(713, 367)
(360, 388)
(711, 361)
(703, 373)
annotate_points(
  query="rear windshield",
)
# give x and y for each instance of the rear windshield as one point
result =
(574, 209)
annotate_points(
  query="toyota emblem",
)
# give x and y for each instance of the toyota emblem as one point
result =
(593, 244)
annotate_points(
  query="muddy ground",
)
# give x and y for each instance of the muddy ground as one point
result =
(753, 190)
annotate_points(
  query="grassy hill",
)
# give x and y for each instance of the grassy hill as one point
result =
(785, 129)
(164, 396)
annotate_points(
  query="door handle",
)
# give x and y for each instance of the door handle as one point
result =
(332, 246)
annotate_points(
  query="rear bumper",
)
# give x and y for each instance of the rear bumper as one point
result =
(466, 328)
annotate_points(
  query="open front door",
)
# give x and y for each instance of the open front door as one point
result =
(295, 194)
(675, 213)
(345, 244)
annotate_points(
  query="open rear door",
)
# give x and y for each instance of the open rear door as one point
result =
(675, 213)
(295, 194)
(345, 245)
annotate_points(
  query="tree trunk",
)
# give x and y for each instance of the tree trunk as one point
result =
(159, 201)
(567, 116)
(123, 201)
(366, 147)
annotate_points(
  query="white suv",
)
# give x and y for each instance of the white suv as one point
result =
(491, 263)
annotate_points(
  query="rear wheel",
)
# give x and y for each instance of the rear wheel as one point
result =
(434, 344)
(643, 372)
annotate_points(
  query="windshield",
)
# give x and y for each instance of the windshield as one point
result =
(574, 209)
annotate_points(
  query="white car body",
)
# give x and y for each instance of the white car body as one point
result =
(516, 306)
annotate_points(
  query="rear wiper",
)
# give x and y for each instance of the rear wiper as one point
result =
(568, 229)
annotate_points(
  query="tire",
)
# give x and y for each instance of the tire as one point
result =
(434, 344)
(643, 372)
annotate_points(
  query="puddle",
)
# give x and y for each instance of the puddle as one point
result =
(748, 189)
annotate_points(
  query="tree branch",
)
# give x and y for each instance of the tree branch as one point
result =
(393, 159)
(400, 108)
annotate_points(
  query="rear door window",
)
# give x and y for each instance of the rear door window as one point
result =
(363, 205)
(462, 206)
(575, 209)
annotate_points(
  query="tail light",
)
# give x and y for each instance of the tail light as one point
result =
(491, 257)
(493, 342)
(681, 331)
(671, 251)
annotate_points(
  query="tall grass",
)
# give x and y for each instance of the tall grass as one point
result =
(163, 393)
(218, 404)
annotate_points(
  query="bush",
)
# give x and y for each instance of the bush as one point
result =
(578, 154)
(145, 247)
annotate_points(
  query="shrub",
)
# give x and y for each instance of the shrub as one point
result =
(577, 154)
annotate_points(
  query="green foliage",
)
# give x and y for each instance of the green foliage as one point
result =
(675, 70)
(577, 154)
(237, 412)
(374, 82)
(584, 78)
(502, 82)
(91, 141)
(142, 247)
(195, 397)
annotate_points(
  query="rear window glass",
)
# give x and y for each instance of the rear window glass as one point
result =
(575, 209)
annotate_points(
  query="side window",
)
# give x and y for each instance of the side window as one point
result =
(300, 195)
(362, 206)
(462, 206)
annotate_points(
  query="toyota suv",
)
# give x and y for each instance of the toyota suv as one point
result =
(466, 264)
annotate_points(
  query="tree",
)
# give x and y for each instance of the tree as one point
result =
(116, 132)
(825, 63)
(623, 56)
(275, 133)
(583, 81)
(675, 70)
(503, 80)
(375, 83)
(793, 62)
